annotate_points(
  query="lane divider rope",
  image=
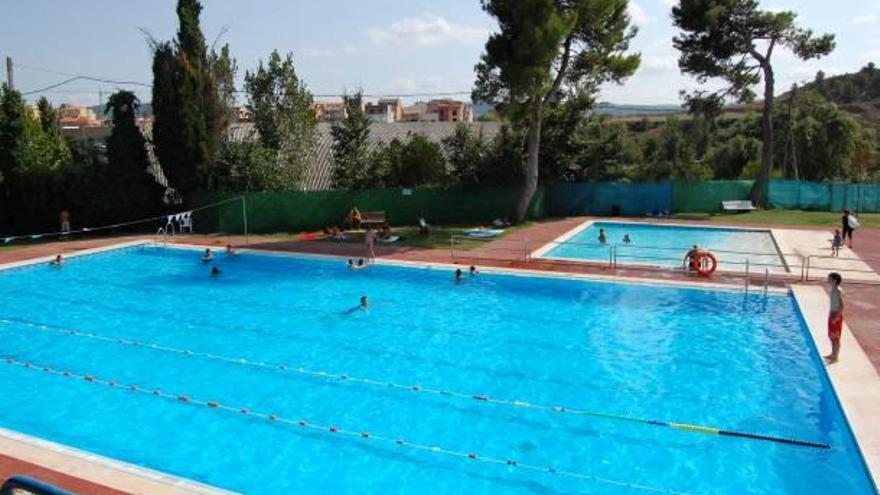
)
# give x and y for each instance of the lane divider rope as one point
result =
(283, 368)
(363, 435)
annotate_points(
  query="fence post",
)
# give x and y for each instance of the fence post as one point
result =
(766, 280)
(244, 218)
(747, 275)
(452, 246)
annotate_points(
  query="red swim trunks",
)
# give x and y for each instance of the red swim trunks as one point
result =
(835, 325)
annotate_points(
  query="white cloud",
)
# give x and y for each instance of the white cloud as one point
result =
(865, 19)
(427, 30)
(637, 14)
(657, 64)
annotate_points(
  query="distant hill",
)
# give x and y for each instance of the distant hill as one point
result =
(857, 93)
(605, 108)
(615, 110)
(860, 86)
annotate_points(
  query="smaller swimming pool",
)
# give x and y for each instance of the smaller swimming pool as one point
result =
(666, 245)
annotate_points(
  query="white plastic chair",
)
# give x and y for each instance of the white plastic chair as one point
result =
(186, 223)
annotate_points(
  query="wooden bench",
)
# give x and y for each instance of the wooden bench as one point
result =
(744, 205)
(373, 218)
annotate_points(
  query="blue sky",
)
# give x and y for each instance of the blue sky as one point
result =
(383, 46)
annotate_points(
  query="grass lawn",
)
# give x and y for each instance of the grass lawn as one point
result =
(781, 217)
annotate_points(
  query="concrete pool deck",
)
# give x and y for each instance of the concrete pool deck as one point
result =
(854, 378)
(856, 381)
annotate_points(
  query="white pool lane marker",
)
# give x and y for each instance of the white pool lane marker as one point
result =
(283, 368)
(361, 435)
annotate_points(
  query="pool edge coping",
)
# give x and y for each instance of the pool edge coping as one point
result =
(854, 381)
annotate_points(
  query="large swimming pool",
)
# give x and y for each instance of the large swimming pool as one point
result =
(666, 245)
(418, 367)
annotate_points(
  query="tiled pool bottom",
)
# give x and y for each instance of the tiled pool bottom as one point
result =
(666, 245)
(648, 351)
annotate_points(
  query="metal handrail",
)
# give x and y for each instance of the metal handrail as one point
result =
(16, 484)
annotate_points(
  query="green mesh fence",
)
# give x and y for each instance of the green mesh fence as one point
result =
(706, 197)
(610, 198)
(823, 196)
(295, 211)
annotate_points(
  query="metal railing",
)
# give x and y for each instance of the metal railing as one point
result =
(776, 266)
(20, 485)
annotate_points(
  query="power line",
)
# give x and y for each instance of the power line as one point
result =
(76, 77)
(86, 78)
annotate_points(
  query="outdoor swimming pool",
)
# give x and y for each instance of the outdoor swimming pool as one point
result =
(710, 358)
(666, 244)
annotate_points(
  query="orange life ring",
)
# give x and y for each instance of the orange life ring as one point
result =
(705, 264)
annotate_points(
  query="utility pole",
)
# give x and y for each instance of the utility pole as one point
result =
(9, 79)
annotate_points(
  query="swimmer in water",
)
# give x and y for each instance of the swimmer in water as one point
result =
(458, 274)
(362, 306)
(626, 239)
(602, 238)
(58, 261)
(359, 266)
(215, 271)
(230, 251)
(208, 256)
(472, 270)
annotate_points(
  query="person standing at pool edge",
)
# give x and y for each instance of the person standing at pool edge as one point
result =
(835, 316)
(369, 240)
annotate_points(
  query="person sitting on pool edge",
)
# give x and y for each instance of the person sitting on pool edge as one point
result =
(602, 238)
(690, 259)
(208, 256)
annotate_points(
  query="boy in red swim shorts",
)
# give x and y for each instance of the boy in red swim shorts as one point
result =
(835, 315)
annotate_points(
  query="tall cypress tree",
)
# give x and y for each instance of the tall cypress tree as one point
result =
(351, 154)
(191, 99)
(136, 191)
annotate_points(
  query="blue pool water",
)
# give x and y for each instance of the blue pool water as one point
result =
(702, 357)
(665, 244)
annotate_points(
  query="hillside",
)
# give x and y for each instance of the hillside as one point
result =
(857, 93)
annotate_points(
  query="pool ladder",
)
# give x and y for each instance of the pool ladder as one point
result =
(748, 279)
